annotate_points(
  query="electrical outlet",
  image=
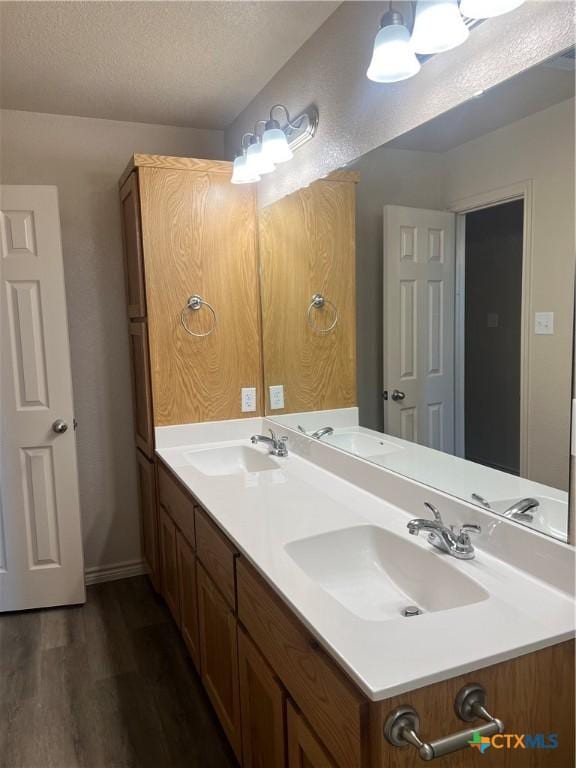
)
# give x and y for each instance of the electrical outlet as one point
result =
(544, 323)
(248, 399)
(276, 397)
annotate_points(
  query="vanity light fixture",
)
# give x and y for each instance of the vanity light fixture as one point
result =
(393, 58)
(275, 145)
(256, 160)
(487, 9)
(438, 26)
(241, 171)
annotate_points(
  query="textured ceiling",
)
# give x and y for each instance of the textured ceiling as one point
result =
(177, 63)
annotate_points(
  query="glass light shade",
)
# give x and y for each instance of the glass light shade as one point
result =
(393, 58)
(486, 9)
(241, 174)
(438, 26)
(275, 146)
(257, 161)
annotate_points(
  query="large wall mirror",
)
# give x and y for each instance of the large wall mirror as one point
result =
(418, 305)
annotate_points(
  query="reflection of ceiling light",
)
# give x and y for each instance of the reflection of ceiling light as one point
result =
(486, 9)
(479, 94)
(256, 160)
(241, 174)
(275, 145)
(438, 26)
(393, 58)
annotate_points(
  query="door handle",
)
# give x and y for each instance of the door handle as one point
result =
(59, 426)
(397, 395)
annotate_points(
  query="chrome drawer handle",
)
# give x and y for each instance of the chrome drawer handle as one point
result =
(403, 724)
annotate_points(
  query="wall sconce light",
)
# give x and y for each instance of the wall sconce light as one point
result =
(275, 145)
(438, 26)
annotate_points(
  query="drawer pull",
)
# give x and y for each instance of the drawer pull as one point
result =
(403, 725)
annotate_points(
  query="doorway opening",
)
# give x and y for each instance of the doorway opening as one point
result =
(491, 344)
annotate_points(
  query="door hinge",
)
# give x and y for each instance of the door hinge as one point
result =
(75, 423)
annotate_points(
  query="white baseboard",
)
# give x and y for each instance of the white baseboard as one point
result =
(125, 570)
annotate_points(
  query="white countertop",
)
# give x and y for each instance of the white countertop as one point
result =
(263, 512)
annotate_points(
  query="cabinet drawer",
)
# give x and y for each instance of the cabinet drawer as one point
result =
(177, 503)
(304, 749)
(217, 555)
(330, 703)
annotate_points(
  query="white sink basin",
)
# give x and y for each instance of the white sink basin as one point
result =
(375, 574)
(230, 460)
(361, 445)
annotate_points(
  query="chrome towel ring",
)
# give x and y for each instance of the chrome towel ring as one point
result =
(319, 302)
(194, 304)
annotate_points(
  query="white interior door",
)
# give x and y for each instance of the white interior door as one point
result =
(41, 561)
(419, 300)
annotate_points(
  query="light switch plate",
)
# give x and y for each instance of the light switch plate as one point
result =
(248, 399)
(276, 396)
(544, 323)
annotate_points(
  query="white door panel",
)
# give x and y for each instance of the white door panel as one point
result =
(419, 257)
(41, 561)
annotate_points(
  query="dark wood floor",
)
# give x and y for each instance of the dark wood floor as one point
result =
(105, 685)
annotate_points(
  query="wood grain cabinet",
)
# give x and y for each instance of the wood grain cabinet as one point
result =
(304, 749)
(219, 657)
(263, 707)
(142, 403)
(188, 589)
(149, 521)
(169, 563)
(132, 241)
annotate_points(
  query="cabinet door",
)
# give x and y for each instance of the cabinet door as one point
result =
(148, 515)
(132, 240)
(219, 657)
(188, 598)
(169, 564)
(304, 749)
(141, 391)
(263, 707)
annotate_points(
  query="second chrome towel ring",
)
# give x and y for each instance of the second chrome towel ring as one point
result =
(195, 303)
(319, 302)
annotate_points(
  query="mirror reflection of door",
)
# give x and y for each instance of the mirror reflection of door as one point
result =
(493, 336)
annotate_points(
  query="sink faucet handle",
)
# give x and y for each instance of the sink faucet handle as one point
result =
(435, 511)
(470, 528)
(273, 435)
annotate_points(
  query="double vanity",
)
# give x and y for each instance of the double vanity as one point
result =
(318, 623)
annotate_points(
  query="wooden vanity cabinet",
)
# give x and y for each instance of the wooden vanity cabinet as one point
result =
(169, 563)
(188, 592)
(148, 516)
(132, 242)
(282, 700)
(141, 400)
(304, 749)
(219, 657)
(263, 708)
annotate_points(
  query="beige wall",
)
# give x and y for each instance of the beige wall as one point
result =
(84, 158)
(357, 115)
(539, 148)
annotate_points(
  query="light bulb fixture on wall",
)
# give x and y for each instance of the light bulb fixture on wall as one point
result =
(393, 58)
(487, 9)
(437, 26)
(274, 145)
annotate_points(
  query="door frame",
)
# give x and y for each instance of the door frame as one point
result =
(521, 190)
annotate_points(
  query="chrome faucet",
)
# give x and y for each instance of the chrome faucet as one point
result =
(455, 542)
(521, 510)
(277, 444)
(319, 434)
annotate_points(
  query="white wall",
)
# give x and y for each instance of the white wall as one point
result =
(540, 148)
(84, 158)
(357, 115)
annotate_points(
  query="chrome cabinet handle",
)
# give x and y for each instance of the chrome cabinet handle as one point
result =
(59, 426)
(397, 395)
(403, 725)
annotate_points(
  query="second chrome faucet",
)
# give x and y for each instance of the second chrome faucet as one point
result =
(456, 542)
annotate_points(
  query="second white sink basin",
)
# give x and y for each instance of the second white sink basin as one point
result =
(230, 460)
(361, 445)
(375, 574)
